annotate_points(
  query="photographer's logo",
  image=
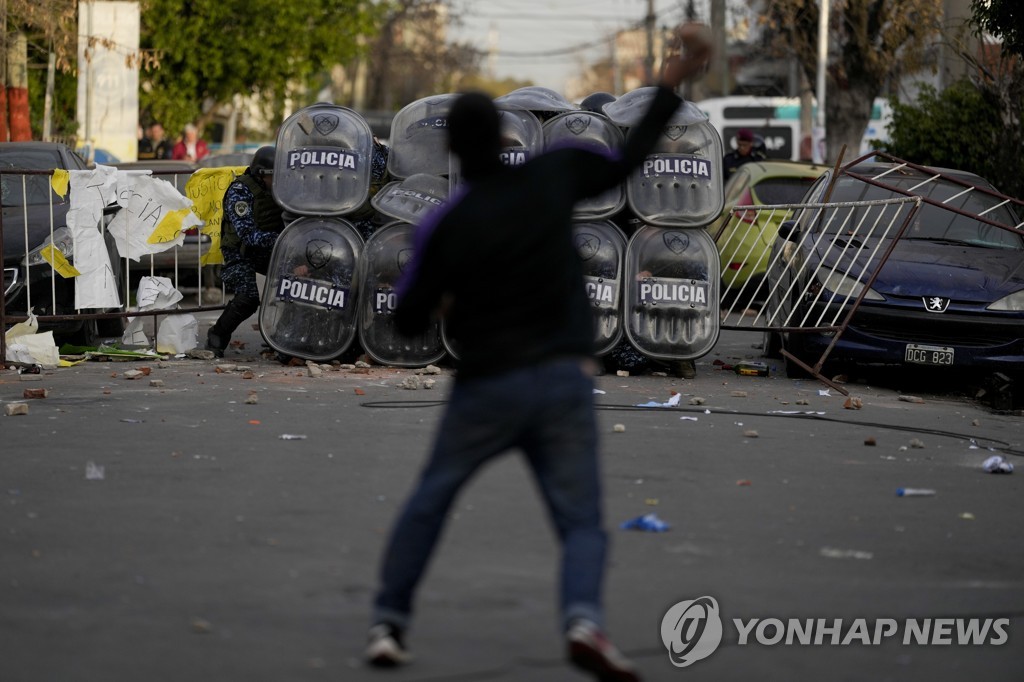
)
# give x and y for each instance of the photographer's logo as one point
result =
(691, 630)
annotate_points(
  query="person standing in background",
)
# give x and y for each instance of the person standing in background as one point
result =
(745, 152)
(154, 144)
(190, 147)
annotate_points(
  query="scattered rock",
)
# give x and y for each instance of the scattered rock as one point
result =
(697, 400)
(853, 403)
(429, 369)
(15, 409)
(739, 394)
(221, 369)
(30, 377)
(411, 383)
(252, 399)
(870, 441)
(133, 374)
(156, 383)
(744, 482)
(911, 399)
(200, 354)
(803, 401)
(362, 365)
(916, 444)
(314, 370)
(248, 375)
(428, 383)
(622, 373)
(31, 393)
(750, 433)
(619, 428)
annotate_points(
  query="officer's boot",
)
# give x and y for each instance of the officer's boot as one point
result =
(235, 313)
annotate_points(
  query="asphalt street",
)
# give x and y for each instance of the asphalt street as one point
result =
(223, 520)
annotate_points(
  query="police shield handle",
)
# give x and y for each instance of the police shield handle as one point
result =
(694, 41)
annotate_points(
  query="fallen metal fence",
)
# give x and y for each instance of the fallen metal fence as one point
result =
(769, 284)
(781, 292)
(33, 216)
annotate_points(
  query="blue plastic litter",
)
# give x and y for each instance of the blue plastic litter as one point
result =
(647, 522)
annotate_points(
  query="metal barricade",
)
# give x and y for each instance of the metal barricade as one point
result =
(799, 295)
(37, 251)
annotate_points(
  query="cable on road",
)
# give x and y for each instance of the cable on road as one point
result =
(995, 444)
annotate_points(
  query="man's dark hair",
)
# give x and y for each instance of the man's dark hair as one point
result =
(474, 134)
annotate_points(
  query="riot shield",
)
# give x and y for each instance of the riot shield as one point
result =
(384, 259)
(672, 293)
(590, 131)
(521, 135)
(419, 137)
(543, 102)
(324, 161)
(309, 301)
(411, 199)
(522, 138)
(680, 183)
(602, 247)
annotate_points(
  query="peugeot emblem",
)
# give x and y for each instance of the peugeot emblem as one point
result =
(935, 304)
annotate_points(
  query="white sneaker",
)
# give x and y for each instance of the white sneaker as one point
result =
(384, 648)
(590, 650)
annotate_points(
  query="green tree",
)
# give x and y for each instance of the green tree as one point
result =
(975, 124)
(870, 42)
(1003, 19)
(208, 51)
(956, 128)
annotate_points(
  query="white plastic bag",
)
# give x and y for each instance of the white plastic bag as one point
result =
(177, 334)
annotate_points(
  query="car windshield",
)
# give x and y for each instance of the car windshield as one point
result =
(931, 222)
(17, 189)
(782, 190)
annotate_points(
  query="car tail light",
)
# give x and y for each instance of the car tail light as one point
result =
(747, 200)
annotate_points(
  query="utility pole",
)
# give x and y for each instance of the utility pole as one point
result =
(819, 120)
(649, 59)
(3, 72)
(720, 67)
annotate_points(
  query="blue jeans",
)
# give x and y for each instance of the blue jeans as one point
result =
(547, 411)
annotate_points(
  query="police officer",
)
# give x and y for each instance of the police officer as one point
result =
(746, 151)
(252, 222)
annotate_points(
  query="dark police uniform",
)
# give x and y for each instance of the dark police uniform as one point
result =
(252, 223)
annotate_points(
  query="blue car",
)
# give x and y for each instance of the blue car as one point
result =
(949, 296)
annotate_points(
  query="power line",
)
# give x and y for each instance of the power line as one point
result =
(600, 42)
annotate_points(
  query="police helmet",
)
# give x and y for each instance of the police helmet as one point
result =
(595, 101)
(263, 161)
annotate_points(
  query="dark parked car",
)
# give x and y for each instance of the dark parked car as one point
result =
(950, 295)
(34, 216)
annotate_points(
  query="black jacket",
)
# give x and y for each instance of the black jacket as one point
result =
(502, 253)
